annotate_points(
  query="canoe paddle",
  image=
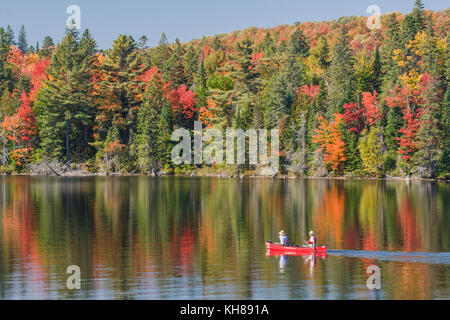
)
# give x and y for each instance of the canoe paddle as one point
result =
(315, 249)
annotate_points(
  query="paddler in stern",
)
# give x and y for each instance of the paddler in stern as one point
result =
(283, 238)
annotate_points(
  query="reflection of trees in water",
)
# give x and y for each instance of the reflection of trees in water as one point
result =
(157, 229)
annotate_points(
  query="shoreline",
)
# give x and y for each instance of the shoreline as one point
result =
(227, 176)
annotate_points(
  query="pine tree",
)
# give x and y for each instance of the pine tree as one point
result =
(418, 14)
(149, 119)
(394, 123)
(321, 52)
(22, 40)
(298, 44)
(444, 165)
(269, 48)
(64, 105)
(200, 79)
(164, 142)
(143, 42)
(163, 40)
(392, 42)
(429, 135)
(191, 64)
(340, 74)
(245, 74)
(364, 73)
(159, 57)
(175, 66)
(6, 78)
(413, 23)
(87, 44)
(47, 47)
(119, 96)
(296, 152)
(10, 35)
(377, 73)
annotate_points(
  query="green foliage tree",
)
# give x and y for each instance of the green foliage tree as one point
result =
(340, 74)
(22, 40)
(372, 149)
(151, 118)
(119, 97)
(65, 109)
(6, 80)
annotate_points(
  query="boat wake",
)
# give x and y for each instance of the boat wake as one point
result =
(420, 257)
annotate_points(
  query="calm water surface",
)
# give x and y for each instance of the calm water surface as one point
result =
(203, 238)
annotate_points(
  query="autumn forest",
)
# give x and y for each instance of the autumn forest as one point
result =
(347, 100)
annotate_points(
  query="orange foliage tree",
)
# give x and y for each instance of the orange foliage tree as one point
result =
(331, 144)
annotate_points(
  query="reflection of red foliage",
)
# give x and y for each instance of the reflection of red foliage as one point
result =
(329, 217)
(370, 241)
(408, 226)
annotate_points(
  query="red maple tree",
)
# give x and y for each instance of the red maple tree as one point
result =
(182, 102)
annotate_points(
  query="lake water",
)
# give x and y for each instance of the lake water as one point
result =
(204, 238)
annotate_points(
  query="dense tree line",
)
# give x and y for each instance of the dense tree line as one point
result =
(347, 100)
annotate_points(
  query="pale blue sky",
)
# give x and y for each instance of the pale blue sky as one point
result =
(187, 20)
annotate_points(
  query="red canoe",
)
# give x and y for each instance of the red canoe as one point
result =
(273, 247)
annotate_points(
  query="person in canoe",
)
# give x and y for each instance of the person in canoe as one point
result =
(312, 242)
(283, 238)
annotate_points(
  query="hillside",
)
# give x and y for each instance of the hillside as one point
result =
(347, 100)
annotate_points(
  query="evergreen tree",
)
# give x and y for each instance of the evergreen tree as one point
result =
(377, 73)
(160, 55)
(418, 15)
(118, 98)
(163, 40)
(298, 44)
(340, 74)
(392, 42)
(296, 151)
(64, 105)
(444, 165)
(149, 122)
(413, 23)
(191, 64)
(87, 44)
(143, 42)
(321, 53)
(6, 79)
(10, 35)
(364, 73)
(22, 40)
(394, 123)
(429, 136)
(175, 66)
(164, 141)
(47, 47)
(269, 48)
